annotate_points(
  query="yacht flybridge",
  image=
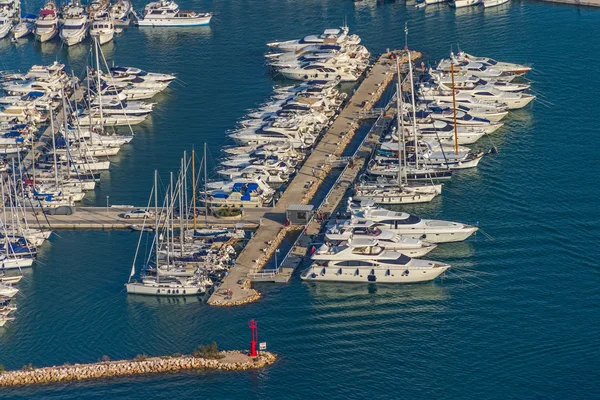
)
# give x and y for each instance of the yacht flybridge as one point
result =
(75, 27)
(46, 26)
(166, 13)
(349, 230)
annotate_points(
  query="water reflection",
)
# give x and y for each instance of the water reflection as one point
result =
(169, 36)
(382, 293)
(158, 301)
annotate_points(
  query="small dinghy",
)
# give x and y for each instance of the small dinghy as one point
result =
(141, 228)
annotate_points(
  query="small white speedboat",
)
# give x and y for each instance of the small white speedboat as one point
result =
(24, 27)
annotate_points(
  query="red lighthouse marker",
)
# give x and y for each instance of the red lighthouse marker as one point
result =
(254, 328)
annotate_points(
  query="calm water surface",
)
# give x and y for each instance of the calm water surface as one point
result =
(517, 317)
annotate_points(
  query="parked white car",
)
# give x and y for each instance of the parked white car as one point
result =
(138, 213)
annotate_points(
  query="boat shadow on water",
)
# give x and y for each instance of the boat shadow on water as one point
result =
(387, 293)
(154, 301)
(169, 35)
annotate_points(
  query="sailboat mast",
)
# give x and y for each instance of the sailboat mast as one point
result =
(98, 75)
(156, 219)
(194, 187)
(414, 107)
(64, 110)
(454, 109)
(54, 149)
(205, 191)
(181, 208)
(402, 178)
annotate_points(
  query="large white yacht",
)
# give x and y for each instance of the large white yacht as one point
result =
(329, 37)
(102, 28)
(349, 230)
(75, 27)
(488, 95)
(167, 13)
(364, 260)
(516, 69)
(325, 72)
(434, 231)
(46, 26)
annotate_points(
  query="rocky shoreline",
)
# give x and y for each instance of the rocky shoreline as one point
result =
(231, 361)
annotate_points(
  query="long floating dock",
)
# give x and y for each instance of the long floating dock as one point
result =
(236, 288)
(231, 361)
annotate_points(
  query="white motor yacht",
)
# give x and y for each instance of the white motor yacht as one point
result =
(25, 26)
(46, 26)
(434, 231)
(75, 27)
(120, 12)
(126, 74)
(329, 37)
(516, 69)
(364, 229)
(97, 7)
(475, 82)
(166, 13)
(488, 95)
(479, 109)
(347, 73)
(102, 28)
(364, 260)
(6, 25)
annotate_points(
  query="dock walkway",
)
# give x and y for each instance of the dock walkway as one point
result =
(112, 218)
(235, 288)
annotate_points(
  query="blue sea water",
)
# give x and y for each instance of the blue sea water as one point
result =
(517, 317)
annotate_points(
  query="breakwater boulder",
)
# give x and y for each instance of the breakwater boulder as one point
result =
(231, 361)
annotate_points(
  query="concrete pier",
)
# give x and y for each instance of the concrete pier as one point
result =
(112, 218)
(231, 361)
(236, 289)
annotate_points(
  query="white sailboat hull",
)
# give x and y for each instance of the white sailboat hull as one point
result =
(164, 290)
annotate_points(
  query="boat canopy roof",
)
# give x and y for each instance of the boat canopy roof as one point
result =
(47, 12)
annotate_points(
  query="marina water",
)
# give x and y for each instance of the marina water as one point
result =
(518, 315)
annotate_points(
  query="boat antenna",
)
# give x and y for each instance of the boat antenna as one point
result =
(194, 187)
(205, 190)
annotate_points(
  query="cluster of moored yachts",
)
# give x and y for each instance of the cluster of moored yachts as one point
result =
(273, 140)
(56, 135)
(459, 102)
(99, 19)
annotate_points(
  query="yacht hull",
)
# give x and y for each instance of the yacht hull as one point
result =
(371, 275)
(43, 37)
(167, 22)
